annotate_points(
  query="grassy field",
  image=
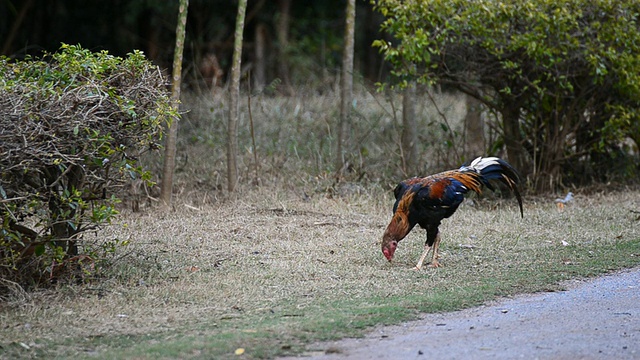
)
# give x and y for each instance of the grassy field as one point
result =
(271, 272)
(293, 258)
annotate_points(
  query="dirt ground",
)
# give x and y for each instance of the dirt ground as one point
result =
(593, 319)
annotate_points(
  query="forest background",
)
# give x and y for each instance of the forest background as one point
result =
(291, 68)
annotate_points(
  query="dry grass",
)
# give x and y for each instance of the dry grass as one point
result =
(295, 142)
(295, 259)
(270, 271)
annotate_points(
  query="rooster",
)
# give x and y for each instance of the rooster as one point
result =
(427, 201)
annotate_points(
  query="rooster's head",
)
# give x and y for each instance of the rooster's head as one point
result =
(398, 228)
(389, 247)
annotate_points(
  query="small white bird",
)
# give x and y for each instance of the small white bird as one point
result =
(560, 203)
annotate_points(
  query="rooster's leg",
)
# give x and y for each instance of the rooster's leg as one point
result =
(433, 242)
(435, 256)
(424, 255)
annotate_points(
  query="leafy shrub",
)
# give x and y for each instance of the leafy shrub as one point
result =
(563, 77)
(72, 126)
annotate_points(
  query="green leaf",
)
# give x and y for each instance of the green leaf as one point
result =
(39, 249)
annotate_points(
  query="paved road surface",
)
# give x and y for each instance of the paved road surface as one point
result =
(593, 319)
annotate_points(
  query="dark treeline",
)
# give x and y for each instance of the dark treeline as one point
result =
(297, 42)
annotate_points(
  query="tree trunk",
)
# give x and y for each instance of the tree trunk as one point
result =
(63, 227)
(516, 154)
(550, 161)
(259, 77)
(234, 97)
(170, 146)
(282, 33)
(374, 67)
(474, 129)
(15, 28)
(346, 88)
(409, 133)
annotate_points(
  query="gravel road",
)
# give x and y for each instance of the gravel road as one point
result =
(593, 319)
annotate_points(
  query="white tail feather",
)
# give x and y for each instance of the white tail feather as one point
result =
(480, 163)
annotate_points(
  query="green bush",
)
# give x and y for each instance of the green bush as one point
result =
(562, 77)
(72, 126)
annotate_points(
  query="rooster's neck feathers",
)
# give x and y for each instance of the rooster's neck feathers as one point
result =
(398, 228)
(405, 202)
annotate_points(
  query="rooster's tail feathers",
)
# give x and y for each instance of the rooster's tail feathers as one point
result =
(493, 168)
